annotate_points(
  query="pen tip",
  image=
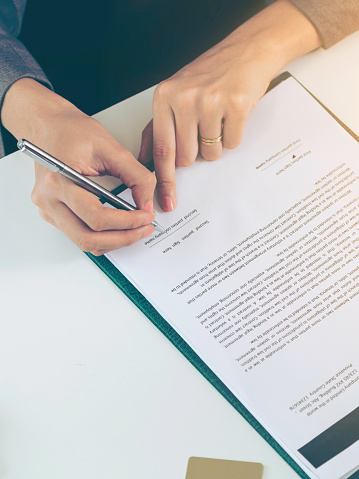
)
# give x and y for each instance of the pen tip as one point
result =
(158, 227)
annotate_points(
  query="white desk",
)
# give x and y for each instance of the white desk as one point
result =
(79, 397)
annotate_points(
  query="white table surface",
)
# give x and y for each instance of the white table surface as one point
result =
(89, 388)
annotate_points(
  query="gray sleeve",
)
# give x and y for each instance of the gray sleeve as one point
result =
(15, 61)
(333, 19)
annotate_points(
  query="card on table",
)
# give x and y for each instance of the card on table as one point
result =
(206, 468)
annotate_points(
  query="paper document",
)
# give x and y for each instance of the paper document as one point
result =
(259, 273)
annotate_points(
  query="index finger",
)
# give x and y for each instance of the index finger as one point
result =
(164, 151)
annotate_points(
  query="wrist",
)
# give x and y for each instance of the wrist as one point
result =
(29, 108)
(275, 36)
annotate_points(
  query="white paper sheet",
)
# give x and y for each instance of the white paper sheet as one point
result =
(259, 270)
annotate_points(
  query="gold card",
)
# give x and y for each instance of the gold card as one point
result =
(205, 468)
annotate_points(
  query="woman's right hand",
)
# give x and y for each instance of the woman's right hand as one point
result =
(33, 112)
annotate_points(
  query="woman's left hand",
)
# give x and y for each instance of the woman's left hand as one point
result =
(211, 98)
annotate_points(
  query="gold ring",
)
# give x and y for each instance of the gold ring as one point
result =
(210, 141)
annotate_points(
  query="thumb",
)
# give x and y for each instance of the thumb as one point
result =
(120, 163)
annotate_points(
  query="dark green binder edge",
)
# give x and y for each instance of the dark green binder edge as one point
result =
(153, 315)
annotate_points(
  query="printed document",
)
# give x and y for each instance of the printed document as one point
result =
(259, 273)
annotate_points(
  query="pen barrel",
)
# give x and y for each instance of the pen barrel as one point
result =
(58, 166)
(96, 189)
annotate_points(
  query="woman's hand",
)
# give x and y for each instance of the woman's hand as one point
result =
(213, 95)
(32, 111)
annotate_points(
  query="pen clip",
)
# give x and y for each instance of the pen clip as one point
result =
(35, 155)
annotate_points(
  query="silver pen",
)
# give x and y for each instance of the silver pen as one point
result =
(58, 166)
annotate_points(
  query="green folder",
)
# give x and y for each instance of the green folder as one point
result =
(153, 315)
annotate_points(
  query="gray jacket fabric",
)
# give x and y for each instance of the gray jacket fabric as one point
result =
(15, 61)
(333, 20)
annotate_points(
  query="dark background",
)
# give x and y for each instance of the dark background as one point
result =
(98, 53)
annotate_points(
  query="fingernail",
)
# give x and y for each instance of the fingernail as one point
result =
(149, 207)
(148, 231)
(167, 203)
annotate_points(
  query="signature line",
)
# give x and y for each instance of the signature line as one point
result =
(173, 232)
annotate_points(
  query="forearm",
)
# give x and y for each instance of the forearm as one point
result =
(277, 35)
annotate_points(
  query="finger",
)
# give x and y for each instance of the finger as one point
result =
(164, 151)
(145, 155)
(95, 242)
(210, 128)
(186, 140)
(91, 211)
(233, 129)
(120, 163)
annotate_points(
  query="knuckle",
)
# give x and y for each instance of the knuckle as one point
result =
(162, 90)
(149, 178)
(215, 98)
(96, 252)
(87, 244)
(129, 220)
(211, 102)
(95, 221)
(162, 151)
(131, 224)
(44, 215)
(44, 187)
(239, 103)
(165, 183)
(36, 198)
(187, 99)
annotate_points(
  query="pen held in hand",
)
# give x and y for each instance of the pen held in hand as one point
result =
(58, 166)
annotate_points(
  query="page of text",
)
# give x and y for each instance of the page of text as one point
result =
(259, 272)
